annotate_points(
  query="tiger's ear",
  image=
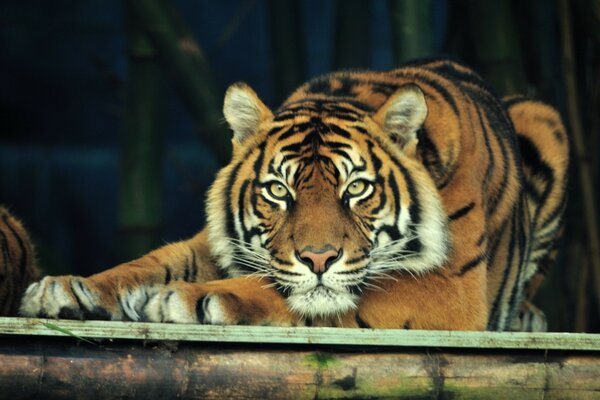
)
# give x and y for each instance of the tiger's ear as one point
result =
(244, 111)
(402, 115)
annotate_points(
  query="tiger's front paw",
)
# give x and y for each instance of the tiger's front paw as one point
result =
(227, 302)
(68, 297)
(186, 303)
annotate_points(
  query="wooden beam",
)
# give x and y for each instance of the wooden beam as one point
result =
(300, 335)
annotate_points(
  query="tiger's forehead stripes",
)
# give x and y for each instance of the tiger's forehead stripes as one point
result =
(313, 132)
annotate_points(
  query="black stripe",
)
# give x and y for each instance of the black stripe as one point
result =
(507, 269)
(200, 309)
(168, 277)
(339, 131)
(430, 155)
(361, 323)
(393, 185)
(227, 203)
(470, 265)
(382, 198)
(516, 294)
(77, 299)
(288, 273)
(494, 243)
(194, 266)
(461, 212)
(492, 161)
(414, 209)
(24, 254)
(186, 272)
(241, 203)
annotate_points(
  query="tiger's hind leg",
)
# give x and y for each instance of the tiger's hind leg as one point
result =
(545, 154)
(17, 263)
(529, 319)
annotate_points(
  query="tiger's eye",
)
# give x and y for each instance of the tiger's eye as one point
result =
(278, 190)
(356, 188)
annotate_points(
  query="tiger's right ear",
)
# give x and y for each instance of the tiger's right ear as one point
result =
(244, 111)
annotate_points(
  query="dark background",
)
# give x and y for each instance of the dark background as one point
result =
(73, 72)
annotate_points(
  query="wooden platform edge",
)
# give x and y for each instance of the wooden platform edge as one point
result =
(298, 335)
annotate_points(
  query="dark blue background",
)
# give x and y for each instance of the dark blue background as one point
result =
(63, 66)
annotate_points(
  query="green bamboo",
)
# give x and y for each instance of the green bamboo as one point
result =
(49, 368)
(581, 152)
(142, 142)
(496, 41)
(188, 70)
(352, 34)
(412, 28)
(287, 46)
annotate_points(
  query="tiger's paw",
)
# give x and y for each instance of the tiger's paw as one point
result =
(186, 303)
(212, 304)
(68, 297)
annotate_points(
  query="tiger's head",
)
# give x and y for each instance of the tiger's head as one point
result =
(325, 197)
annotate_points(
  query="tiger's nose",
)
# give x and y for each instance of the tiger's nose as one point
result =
(319, 260)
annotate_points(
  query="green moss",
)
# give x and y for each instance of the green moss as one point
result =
(321, 360)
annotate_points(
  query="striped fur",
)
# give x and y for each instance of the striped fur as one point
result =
(17, 263)
(412, 198)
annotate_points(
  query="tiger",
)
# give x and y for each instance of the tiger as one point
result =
(406, 199)
(18, 263)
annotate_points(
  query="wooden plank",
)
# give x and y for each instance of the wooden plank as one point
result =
(46, 367)
(300, 335)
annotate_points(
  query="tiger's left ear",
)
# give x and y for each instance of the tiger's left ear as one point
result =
(244, 111)
(402, 115)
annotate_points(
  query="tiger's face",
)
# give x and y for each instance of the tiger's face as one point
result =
(324, 198)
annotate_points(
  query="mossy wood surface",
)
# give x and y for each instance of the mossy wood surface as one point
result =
(42, 358)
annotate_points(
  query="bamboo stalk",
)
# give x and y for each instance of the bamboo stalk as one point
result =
(188, 70)
(142, 142)
(581, 298)
(352, 34)
(579, 147)
(412, 26)
(55, 369)
(287, 46)
(497, 45)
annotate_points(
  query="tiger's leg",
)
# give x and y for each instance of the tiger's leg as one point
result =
(529, 319)
(545, 154)
(433, 301)
(17, 263)
(117, 293)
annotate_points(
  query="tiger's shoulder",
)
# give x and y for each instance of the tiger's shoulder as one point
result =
(18, 267)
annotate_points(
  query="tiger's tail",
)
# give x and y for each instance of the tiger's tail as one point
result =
(544, 149)
(17, 263)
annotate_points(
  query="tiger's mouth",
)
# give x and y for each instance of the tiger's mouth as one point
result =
(322, 300)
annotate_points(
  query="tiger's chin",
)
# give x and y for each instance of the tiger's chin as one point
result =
(322, 302)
